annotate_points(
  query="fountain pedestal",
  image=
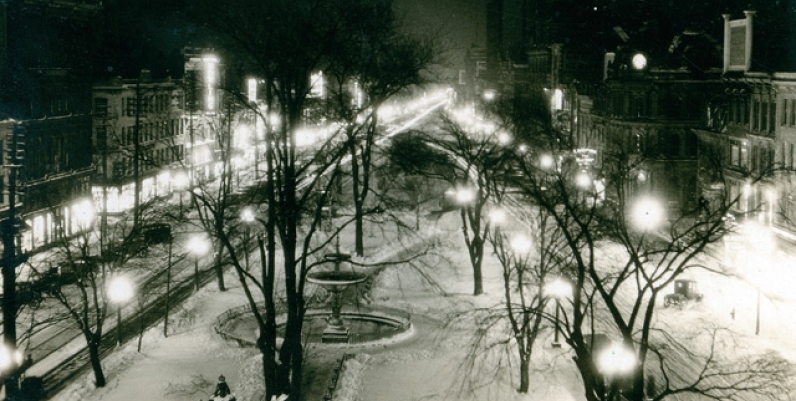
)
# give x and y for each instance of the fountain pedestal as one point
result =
(335, 282)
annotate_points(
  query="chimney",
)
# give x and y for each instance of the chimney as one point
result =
(738, 42)
(749, 16)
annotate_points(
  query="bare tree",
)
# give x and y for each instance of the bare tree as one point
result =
(475, 163)
(617, 295)
(77, 279)
(284, 43)
(373, 64)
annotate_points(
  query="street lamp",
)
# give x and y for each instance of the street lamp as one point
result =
(181, 182)
(521, 244)
(504, 138)
(546, 161)
(11, 368)
(647, 213)
(84, 214)
(198, 246)
(583, 180)
(464, 196)
(558, 288)
(761, 244)
(120, 291)
(614, 362)
(497, 216)
(247, 217)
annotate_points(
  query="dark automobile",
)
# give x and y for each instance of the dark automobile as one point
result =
(69, 272)
(684, 291)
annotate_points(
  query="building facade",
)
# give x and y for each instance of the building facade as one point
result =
(204, 104)
(45, 107)
(138, 134)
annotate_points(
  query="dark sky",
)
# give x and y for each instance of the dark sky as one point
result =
(460, 22)
(151, 33)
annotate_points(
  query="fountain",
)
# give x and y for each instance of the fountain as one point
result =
(336, 281)
(355, 327)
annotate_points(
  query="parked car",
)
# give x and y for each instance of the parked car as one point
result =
(684, 291)
(69, 272)
(138, 241)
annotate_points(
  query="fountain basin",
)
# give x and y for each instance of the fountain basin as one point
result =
(331, 279)
(369, 325)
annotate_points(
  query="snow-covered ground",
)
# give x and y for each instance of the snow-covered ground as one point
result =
(428, 365)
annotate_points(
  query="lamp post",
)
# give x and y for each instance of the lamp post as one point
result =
(521, 245)
(120, 291)
(247, 217)
(558, 288)
(761, 247)
(198, 247)
(583, 180)
(464, 196)
(547, 167)
(181, 182)
(615, 361)
(12, 366)
(647, 214)
(497, 216)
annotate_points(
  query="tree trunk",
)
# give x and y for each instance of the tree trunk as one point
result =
(478, 280)
(96, 365)
(219, 269)
(525, 372)
(359, 244)
(593, 383)
(475, 249)
(269, 372)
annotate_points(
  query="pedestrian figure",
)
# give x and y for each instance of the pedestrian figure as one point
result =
(222, 390)
(732, 313)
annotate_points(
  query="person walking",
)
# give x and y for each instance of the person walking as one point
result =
(222, 390)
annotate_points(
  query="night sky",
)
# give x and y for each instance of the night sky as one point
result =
(461, 23)
(151, 33)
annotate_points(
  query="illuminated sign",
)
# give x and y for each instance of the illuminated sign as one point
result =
(211, 78)
(317, 85)
(252, 89)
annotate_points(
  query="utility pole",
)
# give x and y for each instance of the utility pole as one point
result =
(10, 229)
(136, 156)
(190, 94)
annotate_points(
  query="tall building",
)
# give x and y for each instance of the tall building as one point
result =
(752, 122)
(203, 80)
(137, 135)
(46, 51)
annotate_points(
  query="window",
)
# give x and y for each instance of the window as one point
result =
(118, 169)
(755, 115)
(480, 68)
(739, 154)
(144, 104)
(784, 117)
(772, 117)
(101, 107)
(102, 137)
(130, 101)
(792, 112)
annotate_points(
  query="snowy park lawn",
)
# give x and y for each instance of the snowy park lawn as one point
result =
(430, 364)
